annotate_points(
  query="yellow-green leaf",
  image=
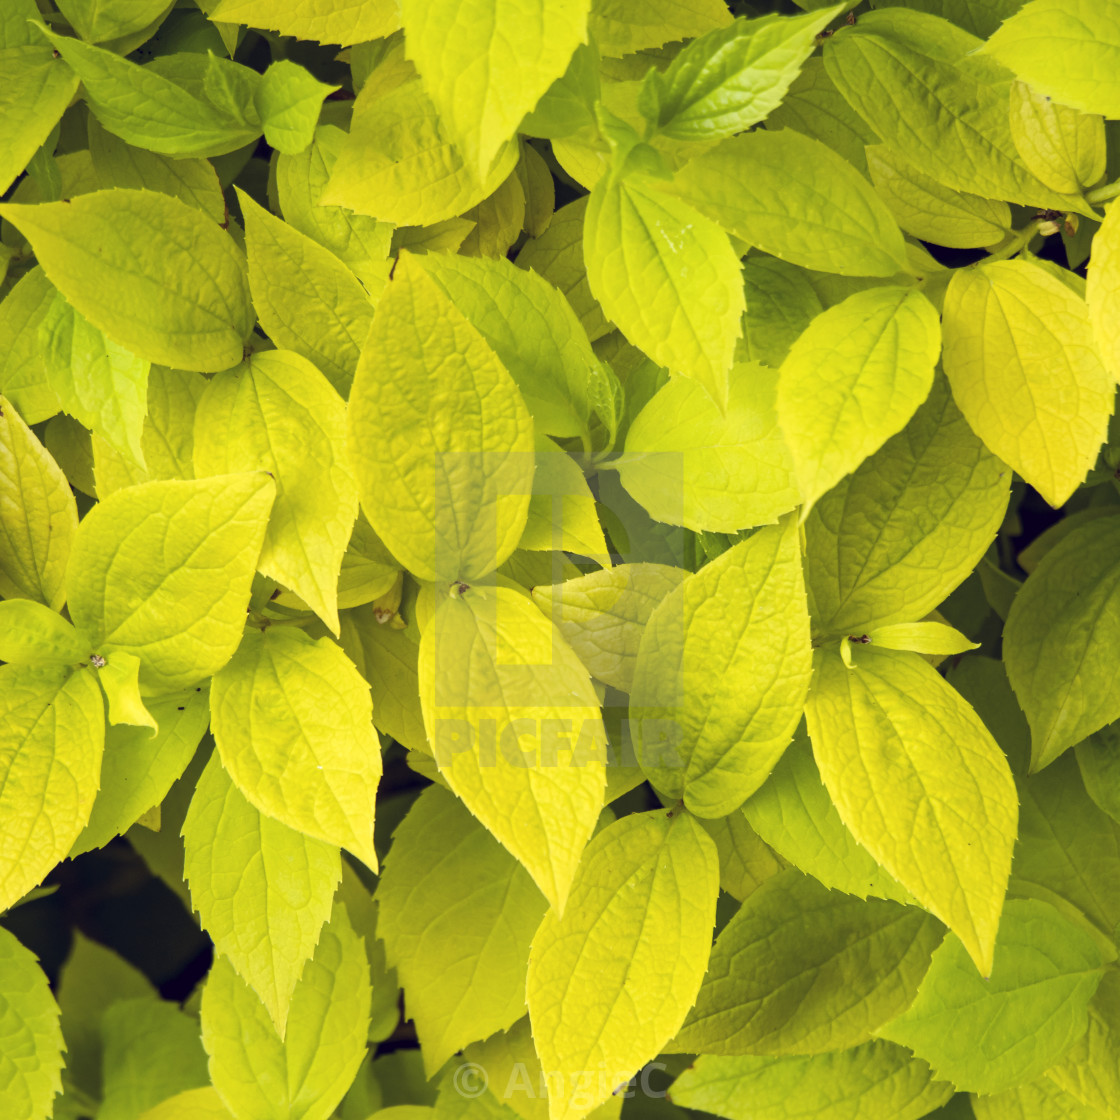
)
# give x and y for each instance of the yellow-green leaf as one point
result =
(687, 463)
(1063, 147)
(795, 198)
(163, 570)
(52, 732)
(321, 20)
(38, 515)
(667, 277)
(277, 413)
(23, 376)
(611, 979)
(291, 717)
(485, 65)
(152, 272)
(722, 671)
(514, 724)
(562, 515)
(602, 615)
(1019, 355)
(1102, 290)
(852, 380)
(622, 27)
(261, 889)
(1090, 1072)
(921, 784)
(449, 499)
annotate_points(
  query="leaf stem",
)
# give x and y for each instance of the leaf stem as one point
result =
(1018, 240)
(1103, 194)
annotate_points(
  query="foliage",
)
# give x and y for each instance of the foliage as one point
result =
(659, 454)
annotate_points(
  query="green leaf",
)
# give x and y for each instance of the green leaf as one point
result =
(801, 969)
(794, 814)
(320, 20)
(687, 463)
(1101, 290)
(621, 28)
(277, 413)
(31, 1073)
(52, 732)
(449, 500)
(562, 515)
(194, 1104)
(308, 300)
(1091, 1070)
(35, 89)
(876, 1079)
(1064, 148)
(1024, 373)
(515, 727)
(780, 305)
(722, 672)
(484, 69)
(944, 114)
(796, 199)
(31, 633)
(602, 615)
(1040, 1099)
(928, 638)
(139, 768)
(611, 979)
(668, 277)
(117, 164)
(23, 376)
(731, 78)
(354, 238)
(745, 860)
(291, 717)
(1059, 640)
(890, 542)
(288, 100)
(852, 380)
(151, 1052)
(1083, 74)
(531, 329)
(1099, 761)
(568, 105)
(989, 1034)
(38, 515)
(148, 108)
(399, 165)
(921, 784)
(305, 1074)
(119, 678)
(262, 890)
(154, 274)
(557, 255)
(163, 570)
(101, 384)
(96, 21)
(925, 208)
(457, 913)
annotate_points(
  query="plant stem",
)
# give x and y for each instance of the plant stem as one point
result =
(1103, 194)
(1019, 239)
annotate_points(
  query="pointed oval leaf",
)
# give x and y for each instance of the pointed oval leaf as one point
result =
(602, 614)
(801, 969)
(853, 379)
(667, 277)
(1060, 638)
(721, 676)
(1102, 290)
(621, 28)
(890, 542)
(304, 1075)
(611, 980)
(163, 570)
(793, 197)
(320, 20)
(449, 499)
(152, 272)
(30, 1074)
(1090, 1072)
(457, 914)
(262, 890)
(52, 733)
(307, 299)
(515, 727)
(292, 720)
(876, 1079)
(194, 1104)
(23, 376)
(38, 515)
(277, 413)
(987, 1034)
(1064, 148)
(689, 463)
(485, 67)
(1019, 355)
(793, 813)
(920, 782)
